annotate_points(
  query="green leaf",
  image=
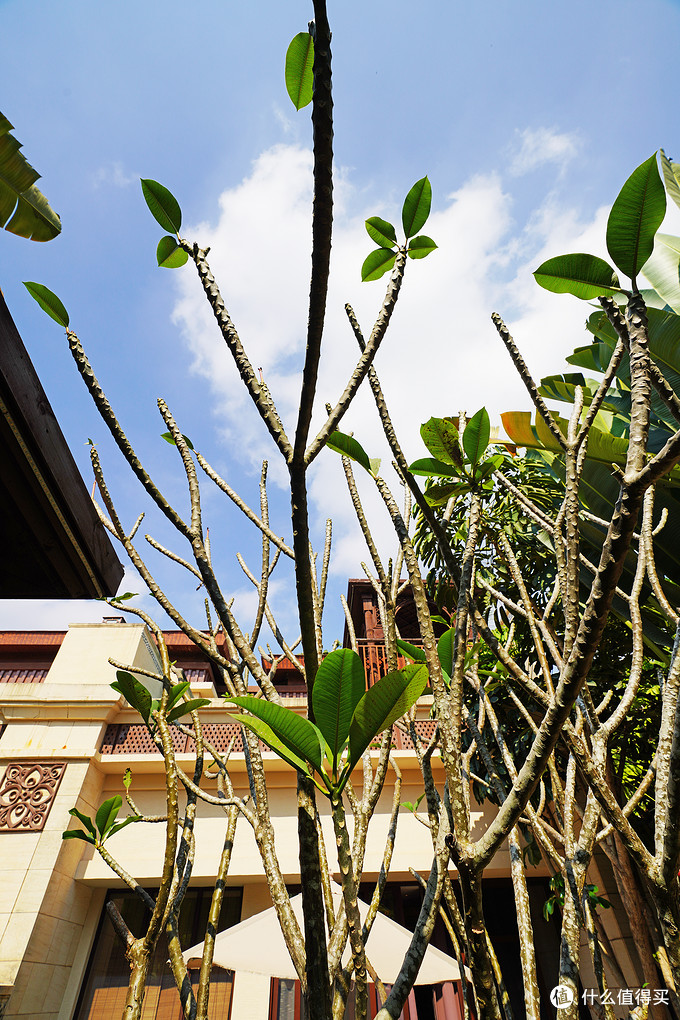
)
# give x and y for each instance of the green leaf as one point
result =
(412, 651)
(440, 436)
(635, 218)
(48, 301)
(299, 70)
(416, 207)
(121, 825)
(169, 254)
(78, 834)
(430, 467)
(163, 205)
(347, 446)
(601, 446)
(339, 685)
(671, 175)
(377, 263)
(419, 247)
(134, 693)
(176, 692)
(584, 276)
(476, 436)
(167, 436)
(446, 648)
(126, 597)
(661, 269)
(85, 819)
(24, 210)
(185, 707)
(108, 813)
(299, 735)
(412, 805)
(382, 704)
(266, 734)
(380, 231)
(438, 495)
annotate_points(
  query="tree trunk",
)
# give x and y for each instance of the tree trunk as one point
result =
(480, 962)
(570, 947)
(526, 931)
(318, 992)
(139, 956)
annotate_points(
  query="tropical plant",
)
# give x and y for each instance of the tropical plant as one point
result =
(24, 210)
(553, 784)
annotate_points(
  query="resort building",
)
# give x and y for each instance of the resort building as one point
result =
(67, 739)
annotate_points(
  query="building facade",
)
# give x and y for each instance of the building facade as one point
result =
(67, 739)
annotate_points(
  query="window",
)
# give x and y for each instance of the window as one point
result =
(106, 980)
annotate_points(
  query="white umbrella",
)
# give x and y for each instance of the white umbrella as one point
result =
(256, 946)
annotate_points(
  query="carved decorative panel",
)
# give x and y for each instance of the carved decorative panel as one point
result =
(27, 792)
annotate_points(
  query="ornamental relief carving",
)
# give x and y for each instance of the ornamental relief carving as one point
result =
(27, 792)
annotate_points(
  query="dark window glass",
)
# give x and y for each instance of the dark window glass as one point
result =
(106, 980)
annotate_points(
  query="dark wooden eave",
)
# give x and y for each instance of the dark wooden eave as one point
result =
(52, 544)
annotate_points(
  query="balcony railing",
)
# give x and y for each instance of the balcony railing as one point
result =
(374, 657)
(134, 738)
(22, 675)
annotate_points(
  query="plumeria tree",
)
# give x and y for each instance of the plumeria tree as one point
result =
(551, 789)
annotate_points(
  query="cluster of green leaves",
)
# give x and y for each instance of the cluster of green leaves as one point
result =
(136, 694)
(414, 214)
(557, 897)
(104, 825)
(636, 248)
(299, 77)
(445, 650)
(165, 209)
(24, 210)
(348, 718)
(634, 219)
(461, 462)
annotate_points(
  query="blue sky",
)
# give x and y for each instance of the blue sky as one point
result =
(527, 117)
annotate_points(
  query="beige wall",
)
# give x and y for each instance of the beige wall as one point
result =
(51, 891)
(46, 916)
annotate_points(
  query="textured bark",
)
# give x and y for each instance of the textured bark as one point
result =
(349, 890)
(526, 930)
(570, 945)
(480, 960)
(318, 992)
(139, 956)
(214, 917)
(668, 914)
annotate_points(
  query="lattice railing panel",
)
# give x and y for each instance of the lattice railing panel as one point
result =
(373, 655)
(134, 738)
(21, 675)
(424, 728)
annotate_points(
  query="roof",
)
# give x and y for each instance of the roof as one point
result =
(52, 544)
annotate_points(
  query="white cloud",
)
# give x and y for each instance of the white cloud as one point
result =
(441, 353)
(112, 175)
(539, 146)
